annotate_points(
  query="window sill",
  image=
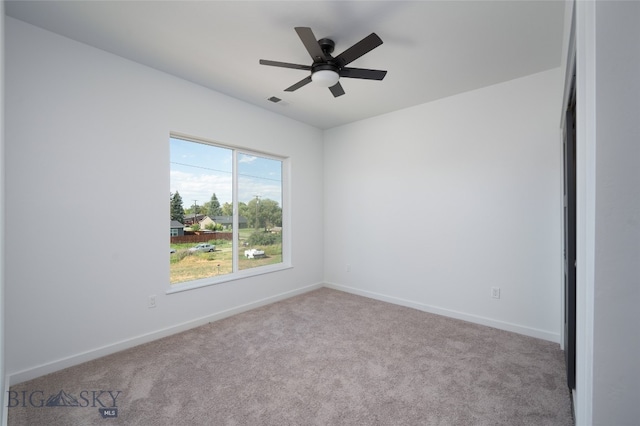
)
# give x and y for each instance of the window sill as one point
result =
(205, 282)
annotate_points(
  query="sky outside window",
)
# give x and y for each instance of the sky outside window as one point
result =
(199, 170)
(261, 177)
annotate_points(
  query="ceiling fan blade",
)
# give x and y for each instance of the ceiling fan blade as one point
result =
(362, 73)
(299, 84)
(285, 65)
(311, 43)
(337, 90)
(365, 45)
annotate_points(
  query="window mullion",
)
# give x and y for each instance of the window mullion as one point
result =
(236, 222)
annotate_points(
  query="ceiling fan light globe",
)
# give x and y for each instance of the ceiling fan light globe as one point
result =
(325, 78)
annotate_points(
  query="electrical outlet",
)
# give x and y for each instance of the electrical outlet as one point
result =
(151, 303)
(495, 292)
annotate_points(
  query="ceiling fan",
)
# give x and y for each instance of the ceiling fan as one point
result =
(326, 70)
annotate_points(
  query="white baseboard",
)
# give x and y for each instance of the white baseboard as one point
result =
(501, 325)
(41, 370)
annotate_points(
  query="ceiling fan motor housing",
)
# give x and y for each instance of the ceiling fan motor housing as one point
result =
(324, 66)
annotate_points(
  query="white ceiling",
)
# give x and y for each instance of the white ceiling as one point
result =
(432, 49)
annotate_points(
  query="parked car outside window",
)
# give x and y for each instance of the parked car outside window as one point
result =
(203, 247)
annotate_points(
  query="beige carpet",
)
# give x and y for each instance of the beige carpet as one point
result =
(322, 358)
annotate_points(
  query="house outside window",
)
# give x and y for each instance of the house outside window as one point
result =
(176, 228)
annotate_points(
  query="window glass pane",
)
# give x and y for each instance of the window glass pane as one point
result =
(200, 211)
(260, 210)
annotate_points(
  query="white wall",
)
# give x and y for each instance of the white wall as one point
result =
(87, 161)
(2, 204)
(433, 205)
(616, 299)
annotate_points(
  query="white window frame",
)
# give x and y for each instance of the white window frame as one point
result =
(286, 220)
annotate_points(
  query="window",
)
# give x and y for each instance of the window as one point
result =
(230, 203)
